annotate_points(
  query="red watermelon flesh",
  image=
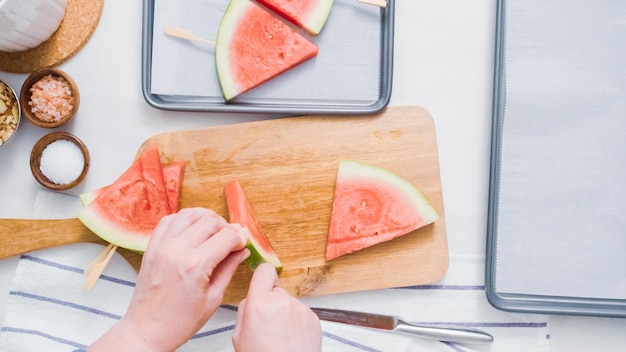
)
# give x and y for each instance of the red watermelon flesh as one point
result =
(372, 205)
(310, 15)
(172, 176)
(253, 46)
(127, 211)
(240, 212)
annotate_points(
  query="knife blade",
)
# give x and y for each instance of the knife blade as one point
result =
(459, 334)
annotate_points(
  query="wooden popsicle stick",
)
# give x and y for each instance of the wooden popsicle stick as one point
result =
(96, 267)
(98, 259)
(185, 34)
(379, 3)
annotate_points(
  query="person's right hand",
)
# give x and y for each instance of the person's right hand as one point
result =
(190, 260)
(269, 319)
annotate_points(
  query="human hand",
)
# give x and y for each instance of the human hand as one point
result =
(269, 319)
(190, 259)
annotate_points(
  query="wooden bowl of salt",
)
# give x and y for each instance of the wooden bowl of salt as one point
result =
(49, 98)
(59, 161)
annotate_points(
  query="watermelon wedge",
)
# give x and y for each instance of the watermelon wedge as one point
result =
(253, 46)
(126, 212)
(372, 205)
(240, 212)
(310, 15)
(172, 176)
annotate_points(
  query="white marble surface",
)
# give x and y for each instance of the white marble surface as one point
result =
(443, 62)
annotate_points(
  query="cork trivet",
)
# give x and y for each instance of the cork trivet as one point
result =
(80, 21)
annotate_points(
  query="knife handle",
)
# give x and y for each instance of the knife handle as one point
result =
(448, 333)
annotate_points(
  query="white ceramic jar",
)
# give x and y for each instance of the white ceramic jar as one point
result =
(25, 24)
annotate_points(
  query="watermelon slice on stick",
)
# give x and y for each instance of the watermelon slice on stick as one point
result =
(310, 15)
(240, 212)
(127, 211)
(172, 176)
(253, 46)
(372, 205)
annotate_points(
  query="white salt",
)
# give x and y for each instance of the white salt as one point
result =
(62, 161)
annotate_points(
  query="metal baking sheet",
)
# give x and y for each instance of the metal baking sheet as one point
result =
(592, 305)
(352, 73)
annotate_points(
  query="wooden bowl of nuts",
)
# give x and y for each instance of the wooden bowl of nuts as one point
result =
(49, 98)
(10, 113)
(59, 161)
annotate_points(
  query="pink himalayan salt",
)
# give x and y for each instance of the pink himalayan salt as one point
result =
(51, 99)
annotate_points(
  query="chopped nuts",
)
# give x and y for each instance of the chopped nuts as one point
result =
(9, 113)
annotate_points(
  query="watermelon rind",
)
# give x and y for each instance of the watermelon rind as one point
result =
(316, 20)
(257, 255)
(225, 35)
(96, 222)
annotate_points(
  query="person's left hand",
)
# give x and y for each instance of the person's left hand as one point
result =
(191, 258)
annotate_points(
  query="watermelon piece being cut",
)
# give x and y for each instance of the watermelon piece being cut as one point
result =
(240, 212)
(372, 205)
(253, 46)
(172, 176)
(310, 15)
(128, 210)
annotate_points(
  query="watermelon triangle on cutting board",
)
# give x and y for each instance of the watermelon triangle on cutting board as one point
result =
(126, 212)
(253, 46)
(310, 15)
(372, 205)
(240, 212)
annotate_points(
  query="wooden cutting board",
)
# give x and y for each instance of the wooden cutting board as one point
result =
(287, 168)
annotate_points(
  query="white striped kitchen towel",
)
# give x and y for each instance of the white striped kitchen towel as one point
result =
(48, 310)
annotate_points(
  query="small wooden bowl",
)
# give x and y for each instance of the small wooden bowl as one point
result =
(35, 160)
(25, 97)
(9, 127)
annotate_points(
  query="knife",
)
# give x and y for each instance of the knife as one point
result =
(393, 323)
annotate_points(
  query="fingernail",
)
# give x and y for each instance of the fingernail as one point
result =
(244, 234)
(245, 254)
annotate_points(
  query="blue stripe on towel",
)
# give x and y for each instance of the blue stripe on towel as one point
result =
(453, 346)
(348, 342)
(52, 264)
(485, 324)
(74, 269)
(117, 280)
(42, 334)
(326, 334)
(446, 287)
(65, 304)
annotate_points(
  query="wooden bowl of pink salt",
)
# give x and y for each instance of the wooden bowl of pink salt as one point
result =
(59, 161)
(49, 98)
